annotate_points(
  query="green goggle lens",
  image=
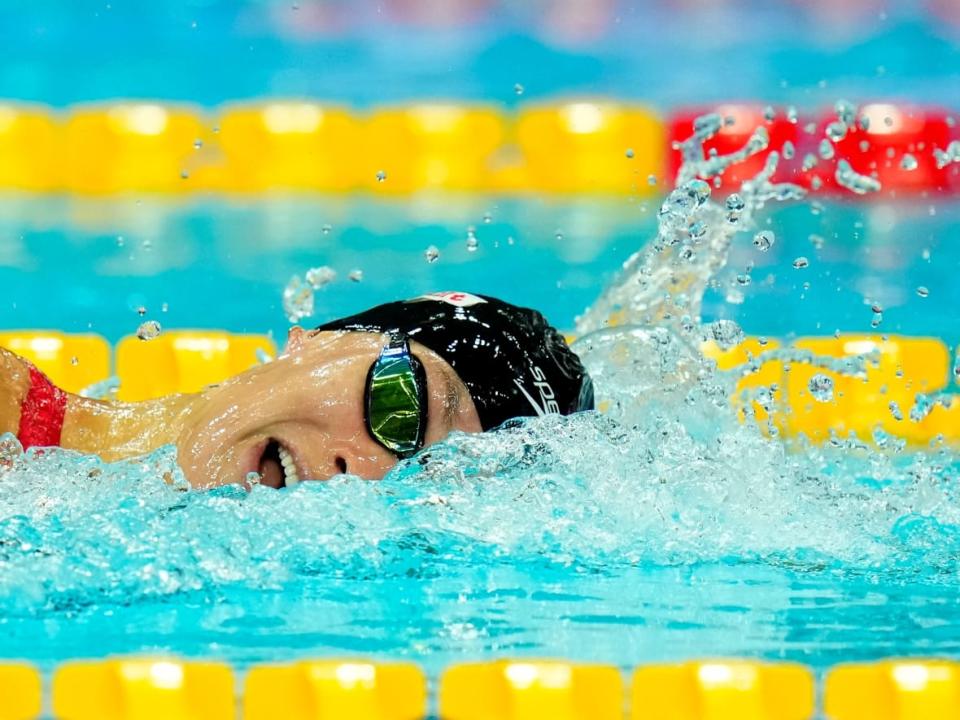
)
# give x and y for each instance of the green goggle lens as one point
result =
(395, 400)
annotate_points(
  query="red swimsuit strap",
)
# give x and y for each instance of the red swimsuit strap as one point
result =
(42, 412)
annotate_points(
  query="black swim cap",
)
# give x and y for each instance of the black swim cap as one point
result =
(512, 361)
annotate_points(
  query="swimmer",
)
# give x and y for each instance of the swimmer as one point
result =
(352, 396)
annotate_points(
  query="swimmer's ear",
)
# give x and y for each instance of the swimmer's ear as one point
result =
(295, 338)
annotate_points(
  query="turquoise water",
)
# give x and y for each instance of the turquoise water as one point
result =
(78, 264)
(368, 52)
(578, 538)
(662, 531)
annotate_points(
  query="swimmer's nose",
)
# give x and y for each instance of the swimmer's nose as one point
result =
(369, 464)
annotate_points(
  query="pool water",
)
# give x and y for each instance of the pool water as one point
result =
(663, 529)
(580, 538)
(86, 264)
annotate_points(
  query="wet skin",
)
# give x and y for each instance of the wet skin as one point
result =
(308, 401)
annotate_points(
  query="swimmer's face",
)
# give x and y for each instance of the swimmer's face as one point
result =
(307, 407)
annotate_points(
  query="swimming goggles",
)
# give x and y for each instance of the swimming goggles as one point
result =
(395, 399)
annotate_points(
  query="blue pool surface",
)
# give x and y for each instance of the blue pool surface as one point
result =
(671, 533)
(370, 52)
(82, 264)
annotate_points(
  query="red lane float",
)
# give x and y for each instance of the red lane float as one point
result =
(740, 122)
(893, 144)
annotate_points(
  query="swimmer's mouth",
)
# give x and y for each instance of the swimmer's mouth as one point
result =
(277, 467)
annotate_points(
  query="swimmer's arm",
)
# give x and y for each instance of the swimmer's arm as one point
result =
(14, 383)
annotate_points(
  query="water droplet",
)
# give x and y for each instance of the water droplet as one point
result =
(120, 241)
(510, 240)
(792, 114)
(895, 410)
(10, 450)
(846, 111)
(697, 230)
(326, 228)
(518, 89)
(708, 125)
(319, 277)
(629, 153)
(908, 162)
(699, 191)
(471, 240)
(925, 254)
(744, 279)
(651, 180)
(826, 149)
(922, 406)
(764, 240)
(197, 144)
(821, 387)
(809, 161)
(164, 307)
(788, 150)
(769, 114)
(864, 145)
(837, 131)
(216, 129)
(816, 183)
(432, 254)
(855, 182)
(735, 203)
(817, 241)
(726, 333)
(381, 175)
(74, 360)
(487, 218)
(184, 175)
(355, 275)
(141, 311)
(923, 292)
(800, 263)
(148, 330)
(253, 478)
(297, 299)
(950, 155)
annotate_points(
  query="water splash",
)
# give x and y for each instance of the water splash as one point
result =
(948, 156)
(855, 182)
(665, 477)
(663, 284)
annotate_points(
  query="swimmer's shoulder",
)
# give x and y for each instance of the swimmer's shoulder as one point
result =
(14, 384)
